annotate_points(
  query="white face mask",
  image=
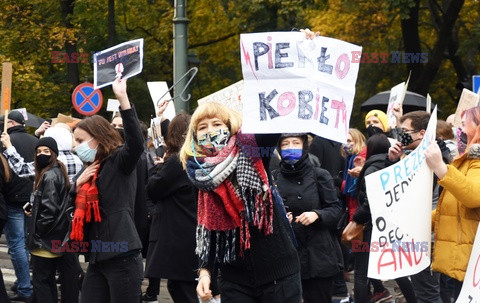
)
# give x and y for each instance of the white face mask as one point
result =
(85, 152)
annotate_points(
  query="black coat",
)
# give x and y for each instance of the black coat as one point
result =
(117, 186)
(48, 221)
(171, 252)
(305, 188)
(372, 164)
(20, 189)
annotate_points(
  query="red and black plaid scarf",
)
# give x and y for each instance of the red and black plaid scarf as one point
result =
(85, 203)
(234, 193)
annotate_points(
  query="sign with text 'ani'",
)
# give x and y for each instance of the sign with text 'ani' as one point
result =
(400, 200)
(293, 84)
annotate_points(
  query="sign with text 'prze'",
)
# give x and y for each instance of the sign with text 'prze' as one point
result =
(293, 84)
(471, 284)
(400, 199)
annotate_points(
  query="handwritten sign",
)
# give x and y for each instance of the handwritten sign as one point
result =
(292, 84)
(471, 284)
(400, 199)
(230, 96)
(123, 60)
(157, 89)
(468, 99)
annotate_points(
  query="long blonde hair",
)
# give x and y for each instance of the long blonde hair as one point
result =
(210, 110)
(358, 141)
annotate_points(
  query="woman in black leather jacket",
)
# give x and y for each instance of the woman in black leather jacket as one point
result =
(47, 226)
(313, 208)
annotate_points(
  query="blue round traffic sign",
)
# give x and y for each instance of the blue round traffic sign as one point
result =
(86, 100)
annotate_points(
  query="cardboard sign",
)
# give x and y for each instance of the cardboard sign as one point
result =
(123, 60)
(400, 199)
(6, 87)
(468, 99)
(157, 90)
(293, 84)
(230, 96)
(471, 284)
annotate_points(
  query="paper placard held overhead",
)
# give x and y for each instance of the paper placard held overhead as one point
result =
(157, 89)
(230, 96)
(123, 60)
(113, 105)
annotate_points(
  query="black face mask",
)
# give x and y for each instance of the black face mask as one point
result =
(43, 161)
(373, 130)
(121, 131)
(404, 138)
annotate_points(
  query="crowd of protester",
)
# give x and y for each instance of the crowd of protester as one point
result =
(217, 220)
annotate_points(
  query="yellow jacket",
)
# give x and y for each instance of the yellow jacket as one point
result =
(456, 218)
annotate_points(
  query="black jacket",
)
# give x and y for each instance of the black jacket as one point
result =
(20, 189)
(117, 185)
(305, 188)
(270, 257)
(171, 252)
(372, 164)
(48, 221)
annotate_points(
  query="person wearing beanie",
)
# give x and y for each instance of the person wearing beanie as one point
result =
(314, 210)
(49, 225)
(377, 119)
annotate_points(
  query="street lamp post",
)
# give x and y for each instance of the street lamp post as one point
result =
(180, 62)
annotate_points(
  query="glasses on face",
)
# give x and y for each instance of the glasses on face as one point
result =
(409, 131)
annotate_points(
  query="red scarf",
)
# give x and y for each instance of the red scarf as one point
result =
(85, 203)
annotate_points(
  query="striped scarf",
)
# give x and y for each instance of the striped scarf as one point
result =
(233, 195)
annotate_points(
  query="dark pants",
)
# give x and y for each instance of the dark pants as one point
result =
(115, 280)
(153, 288)
(427, 286)
(44, 285)
(288, 289)
(70, 271)
(317, 290)
(183, 291)
(3, 291)
(361, 280)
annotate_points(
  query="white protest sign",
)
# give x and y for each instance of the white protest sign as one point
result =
(230, 96)
(123, 60)
(157, 90)
(400, 199)
(113, 105)
(471, 284)
(292, 84)
(468, 99)
(429, 104)
(397, 95)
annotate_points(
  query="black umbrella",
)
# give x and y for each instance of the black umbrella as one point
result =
(412, 101)
(33, 121)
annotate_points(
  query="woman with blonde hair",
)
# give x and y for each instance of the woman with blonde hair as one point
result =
(456, 218)
(242, 225)
(355, 144)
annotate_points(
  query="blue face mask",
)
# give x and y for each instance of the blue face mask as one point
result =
(85, 152)
(291, 155)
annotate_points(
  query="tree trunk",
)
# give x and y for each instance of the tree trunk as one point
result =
(436, 57)
(111, 23)
(73, 76)
(411, 41)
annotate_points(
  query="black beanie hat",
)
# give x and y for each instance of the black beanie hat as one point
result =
(48, 142)
(16, 116)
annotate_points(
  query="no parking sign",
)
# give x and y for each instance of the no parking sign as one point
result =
(86, 100)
